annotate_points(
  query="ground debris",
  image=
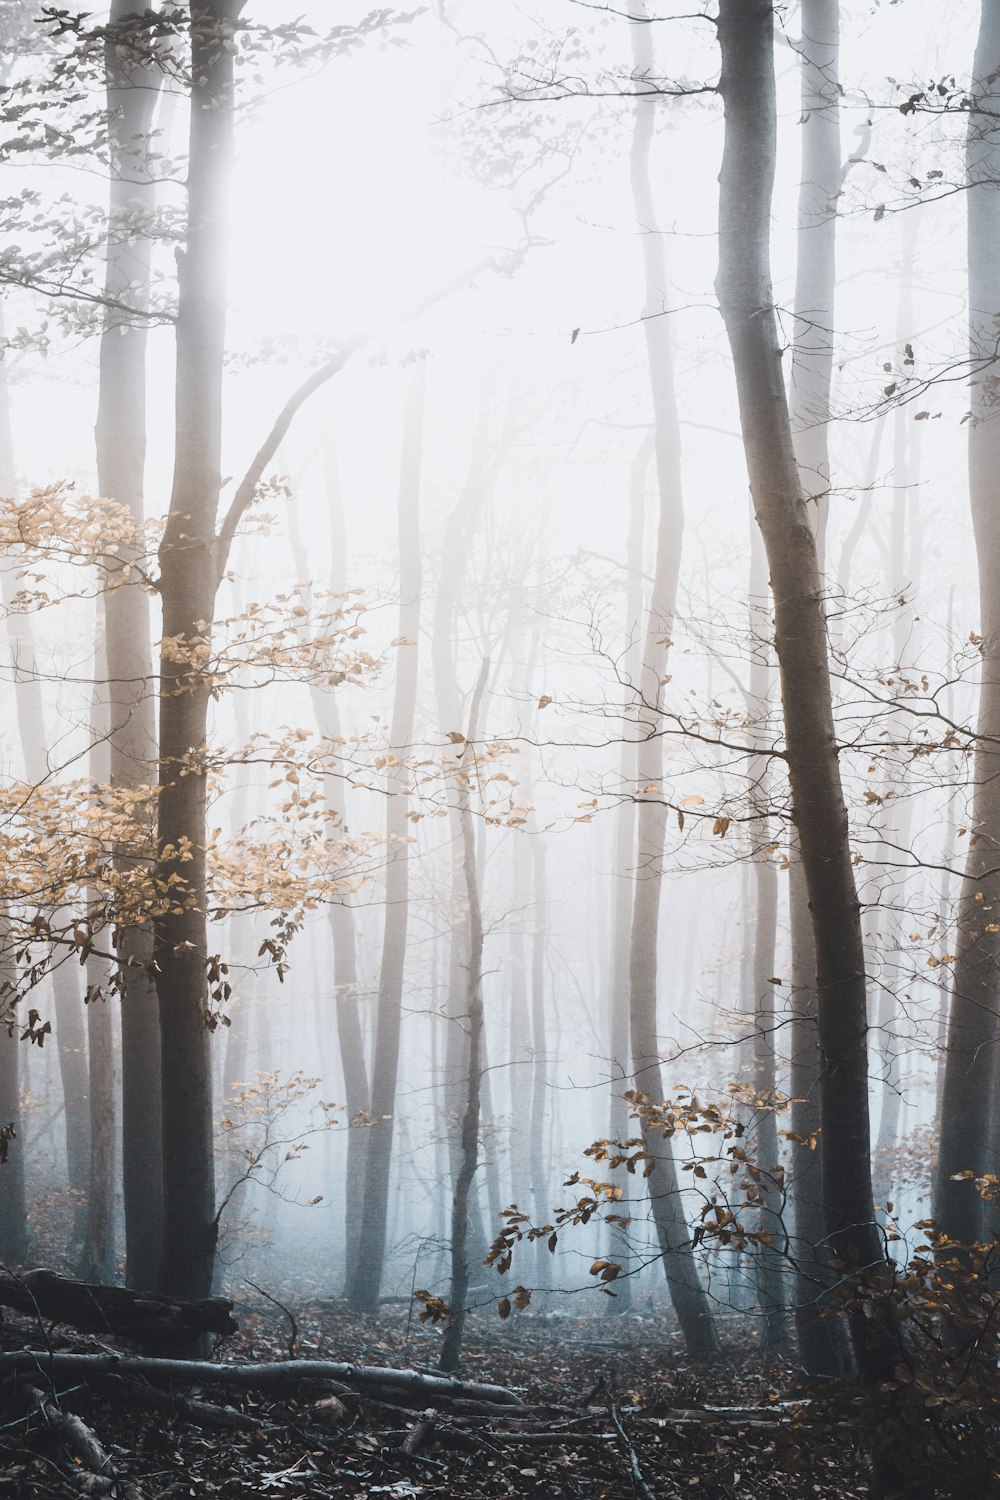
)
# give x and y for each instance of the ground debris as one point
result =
(736, 1429)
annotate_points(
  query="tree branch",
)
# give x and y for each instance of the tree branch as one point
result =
(247, 488)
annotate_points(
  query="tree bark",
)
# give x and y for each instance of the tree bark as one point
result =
(132, 95)
(13, 1205)
(189, 576)
(688, 1295)
(770, 1287)
(971, 1063)
(143, 1316)
(540, 1174)
(901, 577)
(451, 1347)
(820, 1335)
(282, 1372)
(385, 1065)
(354, 1065)
(67, 1000)
(97, 1253)
(819, 812)
(460, 531)
(820, 182)
(624, 843)
(13, 1202)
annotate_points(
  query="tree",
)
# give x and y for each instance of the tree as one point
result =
(133, 75)
(385, 1066)
(689, 1297)
(811, 752)
(451, 1346)
(820, 183)
(189, 558)
(97, 1255)
(764, 1080)
(357, 1091)
(971, 1063)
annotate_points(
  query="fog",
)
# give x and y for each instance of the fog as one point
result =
(444, 649)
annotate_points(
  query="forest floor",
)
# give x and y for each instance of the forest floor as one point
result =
(611, 1407)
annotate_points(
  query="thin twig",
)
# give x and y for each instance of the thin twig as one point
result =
(294, 1338)
(635, 1469)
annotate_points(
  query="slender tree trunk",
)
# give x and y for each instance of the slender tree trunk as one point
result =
(243, 955)
(820, 182)
(896, 813)
(341, 915)
(451, 1347)
(944, 894)
(132, 93)
(540, 1177)
(97, 1254)
(520, 1046)
(624, 845)
(70, 1023)
(491, 1138)
(688, 1295)
(189, 576)
(460, 530)
(385, 1066)
(519, 1040)
(971, 1064)
(13, 1202)
(13, 1205)
(819, 811)
(771, 1290)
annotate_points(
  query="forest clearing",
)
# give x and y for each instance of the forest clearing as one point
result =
(499, 770)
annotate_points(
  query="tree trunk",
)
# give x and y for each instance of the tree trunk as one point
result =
(132, 95)
(97, 1254)
(357, 1092)
(519, 1036)
(460, 530)
(820, 1335)
(971, 1064)
(13, 1203)
(70, 1024)
(189, 575)
(820, 182)
(451, 1346)
(819, 811)
(624, 845)
(945, 885)
(901, 576)
(690, 1301)
(541, 1202)
(770, 1289)
(13, 1206)
(385, 1066)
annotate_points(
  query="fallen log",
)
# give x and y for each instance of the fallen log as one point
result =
(185, 1408)
(140, 1316)
(280, 1372)
(73, 1431)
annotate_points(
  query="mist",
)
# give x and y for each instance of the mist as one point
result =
(500, 663)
